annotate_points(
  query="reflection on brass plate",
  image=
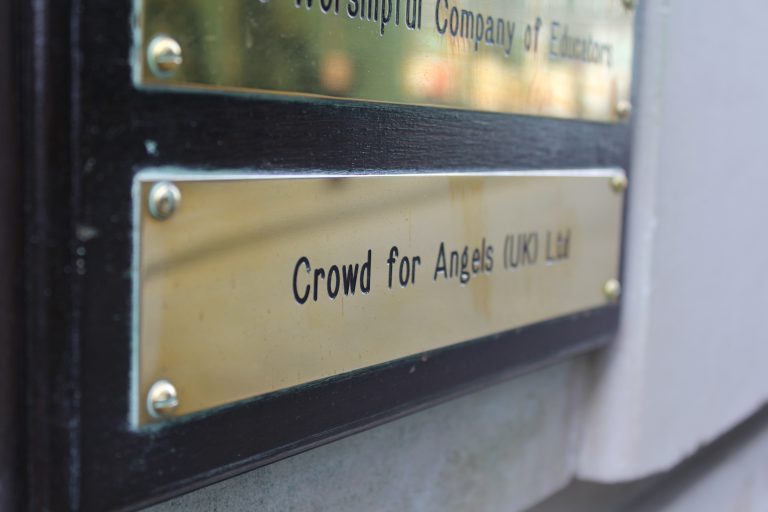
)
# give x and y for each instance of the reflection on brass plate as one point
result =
(559, 58)
(256, 283)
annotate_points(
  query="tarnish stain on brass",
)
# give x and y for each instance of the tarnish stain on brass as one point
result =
(472, 215)
(295, 220)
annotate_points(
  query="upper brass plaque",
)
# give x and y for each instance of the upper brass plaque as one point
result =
(248, 284)
(560, 58)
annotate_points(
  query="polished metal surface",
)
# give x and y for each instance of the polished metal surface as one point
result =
(620, 183)
(162, 399)
(612, 290)
(164, 56)
(624, 109)
(263, 282)
(558, 58)
(164, 198)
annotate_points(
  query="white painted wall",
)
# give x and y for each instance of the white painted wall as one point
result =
(733, 480)
(729, 476)
(691, 358)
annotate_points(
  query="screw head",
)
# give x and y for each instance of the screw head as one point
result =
(162, 399)
(623, 109)
(619, 182)
(164, 56)
(164, 200)
(612, 290)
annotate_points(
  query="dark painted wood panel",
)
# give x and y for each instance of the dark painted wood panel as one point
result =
(87, 130)
(11, 426)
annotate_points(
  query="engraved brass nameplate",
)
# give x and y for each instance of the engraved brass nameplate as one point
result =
(559, 58)
(256, 283)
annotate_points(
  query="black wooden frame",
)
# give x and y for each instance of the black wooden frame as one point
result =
(11, 218)
(84, 131)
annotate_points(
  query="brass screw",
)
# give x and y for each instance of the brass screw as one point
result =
(619, 182)
(162, 399)
(628, 4)
(164, 56)
(623, 109)
(164, 199)
(612, 290)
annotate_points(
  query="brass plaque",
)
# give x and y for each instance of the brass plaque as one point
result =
(559, 58)
(248, 284)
